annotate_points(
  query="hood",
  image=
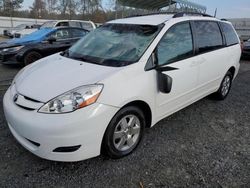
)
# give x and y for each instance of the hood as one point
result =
(13, 31)
(55, 75)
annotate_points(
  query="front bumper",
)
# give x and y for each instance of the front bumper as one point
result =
(8, 59)
(41, 133)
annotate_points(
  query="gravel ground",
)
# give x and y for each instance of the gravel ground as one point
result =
(204, 145)
(2, 38)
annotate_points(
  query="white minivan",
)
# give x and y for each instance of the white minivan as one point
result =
(125, 76)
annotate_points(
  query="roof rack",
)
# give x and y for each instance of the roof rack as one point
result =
(151, 14)
(182, 14)
(184, 5)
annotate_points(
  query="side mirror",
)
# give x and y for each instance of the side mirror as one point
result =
(51, 40)
(164, 82)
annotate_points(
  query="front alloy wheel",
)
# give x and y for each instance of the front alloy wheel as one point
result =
(124, 132)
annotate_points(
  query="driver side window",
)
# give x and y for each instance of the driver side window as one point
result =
(176, 44)
(60, 34)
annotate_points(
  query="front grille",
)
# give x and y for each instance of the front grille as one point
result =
(30, 99)
(34, 143)
(1, 57)
(25, 108)
(67, 149)
(26, 103)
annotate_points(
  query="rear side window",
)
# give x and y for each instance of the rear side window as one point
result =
(176, 44)
(208, 36)
(66, 24)
(78, 33)
(87, 26)
(231, 37)
(75, 24)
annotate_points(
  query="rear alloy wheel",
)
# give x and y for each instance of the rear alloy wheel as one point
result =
(225, 87)
(124, 132)
(31, 57)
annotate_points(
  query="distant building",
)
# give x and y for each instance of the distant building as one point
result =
(242, 26)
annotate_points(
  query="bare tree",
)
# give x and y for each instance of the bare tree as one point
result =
(10, 6)
(38, 9)
(1, 4)
(51, 5)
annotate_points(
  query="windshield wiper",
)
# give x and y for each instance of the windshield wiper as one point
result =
(81, 58)
(86, 59)
(65, 53)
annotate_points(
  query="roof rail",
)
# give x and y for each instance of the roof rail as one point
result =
(151, 14)
(182, 14)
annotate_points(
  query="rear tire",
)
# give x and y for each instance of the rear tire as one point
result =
(124, 132)
(31, 57)
(225, 87)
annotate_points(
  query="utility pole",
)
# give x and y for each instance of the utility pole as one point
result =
(215, 13)
(11, 12)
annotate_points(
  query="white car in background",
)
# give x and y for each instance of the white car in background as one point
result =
(24, 32)
(123, 77)
(88, 25)
(11, 31)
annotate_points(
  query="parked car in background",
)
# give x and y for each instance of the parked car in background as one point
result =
(10, 32)
(123, 77)
(246, 49)
(27, 31)
(39, 44)
(88, 25)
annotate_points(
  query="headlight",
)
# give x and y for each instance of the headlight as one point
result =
(13, 49)
(73, 100)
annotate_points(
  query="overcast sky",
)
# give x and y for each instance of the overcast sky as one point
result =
(226, 8)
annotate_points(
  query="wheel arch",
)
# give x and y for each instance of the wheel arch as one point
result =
(145, 108)
(28, 51)
(232, 70)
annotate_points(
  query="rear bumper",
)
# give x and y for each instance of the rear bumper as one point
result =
(79, 132)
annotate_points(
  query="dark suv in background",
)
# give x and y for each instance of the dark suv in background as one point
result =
(246, 49)
(39, 44)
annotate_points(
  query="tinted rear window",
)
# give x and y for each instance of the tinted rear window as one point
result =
(231, 37)
(208, 36)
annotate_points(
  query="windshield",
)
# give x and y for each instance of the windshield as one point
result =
(48, 24)
(114, 44)
(21, 26)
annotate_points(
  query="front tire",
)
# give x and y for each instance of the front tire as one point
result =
(31, 57)
(124, 132)
(225, 87)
